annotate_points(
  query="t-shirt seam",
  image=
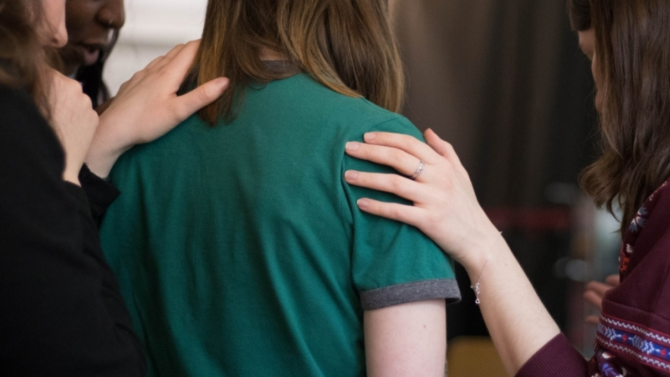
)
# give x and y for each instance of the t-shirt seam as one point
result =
(414, 291)
(343, 195)
(407, 283)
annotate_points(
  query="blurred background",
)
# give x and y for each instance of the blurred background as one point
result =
(152, 28)
(506, 84)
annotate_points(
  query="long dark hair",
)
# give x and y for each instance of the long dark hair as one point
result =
(21, 53)
(633, 69)
(348, 46)
(580, 14)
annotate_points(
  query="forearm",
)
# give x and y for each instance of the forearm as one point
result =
(517, 320)
(446, 209)
(71, 174)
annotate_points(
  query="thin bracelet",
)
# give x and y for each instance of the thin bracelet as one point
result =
(476, 286)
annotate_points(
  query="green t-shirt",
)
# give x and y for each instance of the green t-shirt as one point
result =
(240, 250)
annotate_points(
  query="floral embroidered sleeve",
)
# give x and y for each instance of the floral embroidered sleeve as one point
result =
(633, 337)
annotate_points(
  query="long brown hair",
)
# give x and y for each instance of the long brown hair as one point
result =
(21, 52)
(633, 69)
(580, 14)
(347, 46)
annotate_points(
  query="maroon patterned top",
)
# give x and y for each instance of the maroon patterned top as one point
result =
(633, 337)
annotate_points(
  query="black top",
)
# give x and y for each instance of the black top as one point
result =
(61, 313)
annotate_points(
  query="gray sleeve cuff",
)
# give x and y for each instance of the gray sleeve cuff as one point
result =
(411, 292)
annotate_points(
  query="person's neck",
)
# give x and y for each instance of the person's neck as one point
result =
(269, 54)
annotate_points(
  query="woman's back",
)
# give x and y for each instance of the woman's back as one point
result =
(240, 249)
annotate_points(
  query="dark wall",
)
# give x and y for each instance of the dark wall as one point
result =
(506, 84)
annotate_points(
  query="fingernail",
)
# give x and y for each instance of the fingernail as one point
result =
(369, 136)
(351, 146)
(350, 175)
(223, 82)
(363, 203)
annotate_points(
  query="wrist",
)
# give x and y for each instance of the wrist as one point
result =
(100, 161)
(476, 281)
(481, 252)
(113, 134)
(109, 143)
(72, 177)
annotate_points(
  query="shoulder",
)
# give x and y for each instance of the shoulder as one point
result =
(16, 103)
(312, 100)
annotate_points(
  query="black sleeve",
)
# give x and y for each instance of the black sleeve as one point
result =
(61, 313)
(100, 193)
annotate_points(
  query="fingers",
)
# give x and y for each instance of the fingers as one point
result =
(189, 103)
(170, 56)
(594, 299)
(175, 51)
(171, 69)
(598, 287)
(595, 291)
(440, 146)
(406, 143)
(182, 59)
(391, 183)
(154, 63)
(395, 158)
(593, 320)
(162, 61)
(394, 211)
(613, 280)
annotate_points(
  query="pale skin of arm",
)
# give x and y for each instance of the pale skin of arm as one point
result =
(446, 209)
(406, 340)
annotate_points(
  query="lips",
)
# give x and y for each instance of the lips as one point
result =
(90, 52)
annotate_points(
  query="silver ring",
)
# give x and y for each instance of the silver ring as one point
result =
(418, 171)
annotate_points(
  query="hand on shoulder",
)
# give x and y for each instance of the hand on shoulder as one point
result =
(445, 205)
(147, 106)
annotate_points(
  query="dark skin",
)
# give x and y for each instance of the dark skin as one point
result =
(89, 25)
